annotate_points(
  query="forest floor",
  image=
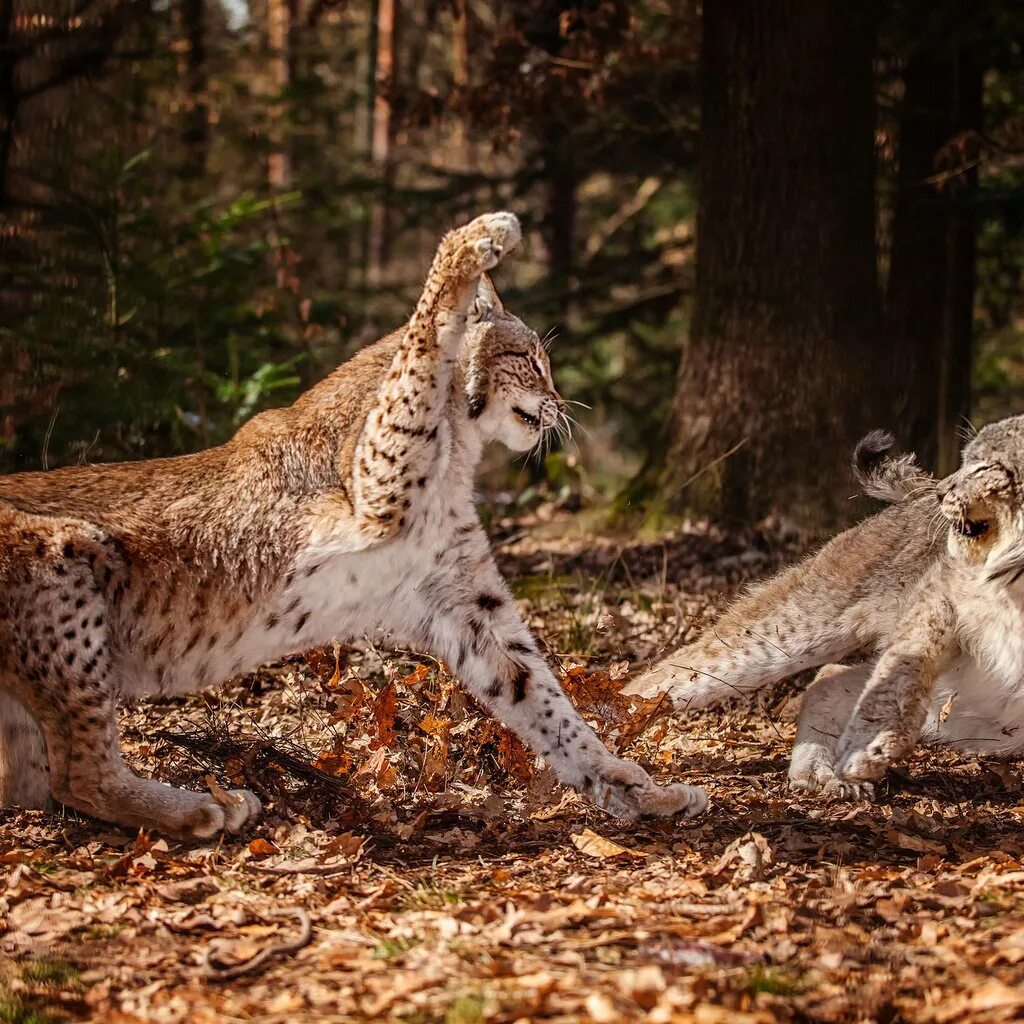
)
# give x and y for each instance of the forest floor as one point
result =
(414, 865)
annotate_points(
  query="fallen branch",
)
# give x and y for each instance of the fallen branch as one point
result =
(215, 972)
(300, 869)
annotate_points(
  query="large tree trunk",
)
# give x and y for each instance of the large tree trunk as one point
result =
(930, 298)
(780, 374)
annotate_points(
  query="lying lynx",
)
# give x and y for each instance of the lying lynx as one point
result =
(946, 622)
(349, 513)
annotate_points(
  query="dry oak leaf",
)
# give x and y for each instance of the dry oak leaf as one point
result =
(591, 844)
(262, 848)
(189, 890)
(751, 854)
(339, 763)
(916, 843)
(347, 845)
(416, 676)
(376, 768)
(434, 726)
(384, 709)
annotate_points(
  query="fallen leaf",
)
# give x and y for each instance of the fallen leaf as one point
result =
(434, 726)
(190, 890)
(752, 855)
(262, 848)
(348, 845)
(916, 843)
(591, 844)
(416, 676)
(338, 763)
(384, 709)
(1010, 779)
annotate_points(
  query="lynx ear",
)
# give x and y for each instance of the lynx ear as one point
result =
(486, 303)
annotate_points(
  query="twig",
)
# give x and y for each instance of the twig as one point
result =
(216, 973)
(644, 194)
(297, 869)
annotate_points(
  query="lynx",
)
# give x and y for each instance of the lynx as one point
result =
(943, 623)
(349, 513)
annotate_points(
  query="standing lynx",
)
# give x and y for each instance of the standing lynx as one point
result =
(348, 513)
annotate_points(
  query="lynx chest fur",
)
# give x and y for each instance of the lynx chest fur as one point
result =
(183, 632)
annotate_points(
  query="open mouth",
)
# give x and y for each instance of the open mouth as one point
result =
(531, 421)
(972, 528)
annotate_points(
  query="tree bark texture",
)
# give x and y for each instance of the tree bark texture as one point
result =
(930, 295)
(781, 374)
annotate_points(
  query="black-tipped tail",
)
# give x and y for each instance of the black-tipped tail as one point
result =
(890, 478)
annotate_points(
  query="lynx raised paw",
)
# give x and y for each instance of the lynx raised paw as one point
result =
(480, 245)
(627, 791)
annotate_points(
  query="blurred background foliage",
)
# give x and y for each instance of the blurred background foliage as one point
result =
(205, 205)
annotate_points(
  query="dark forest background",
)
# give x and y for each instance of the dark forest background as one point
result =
(758, 228)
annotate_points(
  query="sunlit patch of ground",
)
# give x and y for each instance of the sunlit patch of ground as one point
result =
(413, 864)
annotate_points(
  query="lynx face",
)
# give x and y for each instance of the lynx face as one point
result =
(983, 499)
(508, 378)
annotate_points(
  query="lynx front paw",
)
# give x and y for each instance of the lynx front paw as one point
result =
(231, 812)
(823, 782)
(482, 242)
(864, 757)
(627, 791)
(868, 764)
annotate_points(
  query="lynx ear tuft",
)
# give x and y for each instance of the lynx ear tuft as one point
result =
(486, 303)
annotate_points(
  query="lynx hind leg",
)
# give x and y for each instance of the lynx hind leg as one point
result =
(827, 706)
(60, 666)
(24, 776)
(89, 775)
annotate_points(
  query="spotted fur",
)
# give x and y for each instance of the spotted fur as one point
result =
(943, 622)
(348, 514)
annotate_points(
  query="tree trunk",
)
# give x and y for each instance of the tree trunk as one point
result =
(193, 76)
(930, 298)
(279, 23)
(780, 374)
(8, 99)
(382, 138)
(460, 79)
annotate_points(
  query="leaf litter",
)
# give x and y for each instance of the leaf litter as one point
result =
(415, 863)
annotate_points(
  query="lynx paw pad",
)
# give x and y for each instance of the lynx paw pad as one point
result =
(492, 236)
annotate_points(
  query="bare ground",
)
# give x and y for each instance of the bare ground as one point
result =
(414, 865)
